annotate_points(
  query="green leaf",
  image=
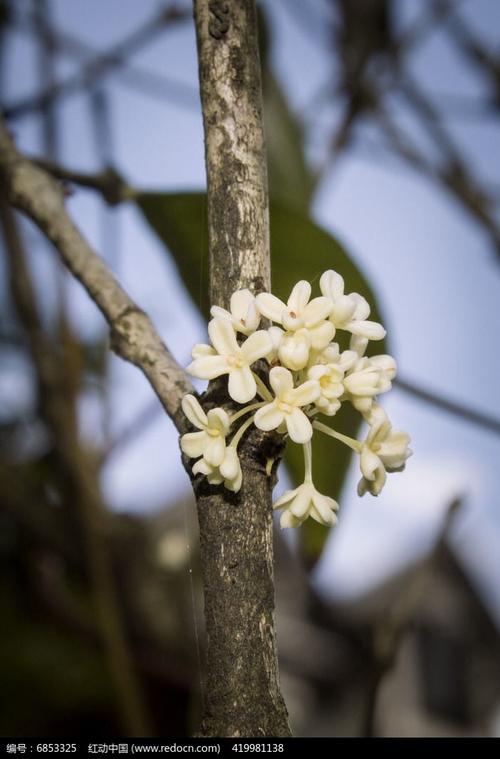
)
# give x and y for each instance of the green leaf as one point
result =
(290, 181)
(300, 249)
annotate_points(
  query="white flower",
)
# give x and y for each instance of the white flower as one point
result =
(368, 378)
(293, 350)
(305, 501)
(332, 355)
(304, 321)
(211, 441)
(232, 359)
(276, 335)
(243, 314)
(329, 377)
(384, 450)
(349, 312)
(201, 349)
(229, 471)
(286, 407)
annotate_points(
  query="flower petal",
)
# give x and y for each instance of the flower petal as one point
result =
(305, 393)
(289, 520)
(331, 284)
(193, 444)
(202, 349)
(214, 477)
(223, 337)
(386, 363)
(194, 412)
(317, 371)
(208, 367)
(240, 301)
(364, 382)
(327, 519)
(343, 310)
(317, 310)
(230, 467)
(269, 417)
(299, 297)
(281, 380)
(298, 426)
(287, 496)
(234, 484)
(294, 350)
(215, 451)
(242, 387)
(276, 335)
(369, 463)
(220, 313)
(321, 335)
(358, 344)
(368, 329)
(302, 501)
(270, 306)
(362, 310)
(218, 420)
(202, 467)
(257, 346)
(324, 505)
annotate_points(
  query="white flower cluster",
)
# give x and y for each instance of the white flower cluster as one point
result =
(309, 375)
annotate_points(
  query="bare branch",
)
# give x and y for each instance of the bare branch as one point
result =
(131, 75)
(133, 336)
(109, 183)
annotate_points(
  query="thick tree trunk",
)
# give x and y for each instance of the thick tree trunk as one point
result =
(242, 697)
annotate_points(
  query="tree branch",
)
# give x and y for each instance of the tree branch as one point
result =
(108, 183)
(451, 407)
(243, 695)
(133, 336)
(238, 215)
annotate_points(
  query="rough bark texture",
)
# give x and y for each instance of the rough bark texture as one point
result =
(133, 336)
(238, 213)
(242, 696)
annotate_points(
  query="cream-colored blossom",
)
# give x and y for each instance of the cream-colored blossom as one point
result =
(303, 502)
(304, 321)
(368, 378)
(232, 359)
(228, 472)
(286, 406)
(329, 377)
(349, 312)
(210, 442)
(383, 450)
(243, 314)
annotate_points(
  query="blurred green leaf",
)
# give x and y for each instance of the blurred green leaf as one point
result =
(290, 181)
(300, 249)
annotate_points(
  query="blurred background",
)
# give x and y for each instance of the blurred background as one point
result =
(382, 123)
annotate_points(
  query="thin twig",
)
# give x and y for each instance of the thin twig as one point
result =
(108, 183)
(101, 64)
(465, 413)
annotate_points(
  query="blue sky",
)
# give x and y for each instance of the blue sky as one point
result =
(432, 267)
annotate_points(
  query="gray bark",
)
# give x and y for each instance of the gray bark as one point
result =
(243, 696)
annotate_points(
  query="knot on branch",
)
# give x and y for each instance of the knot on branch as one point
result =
(218, 25)
(131, 337)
